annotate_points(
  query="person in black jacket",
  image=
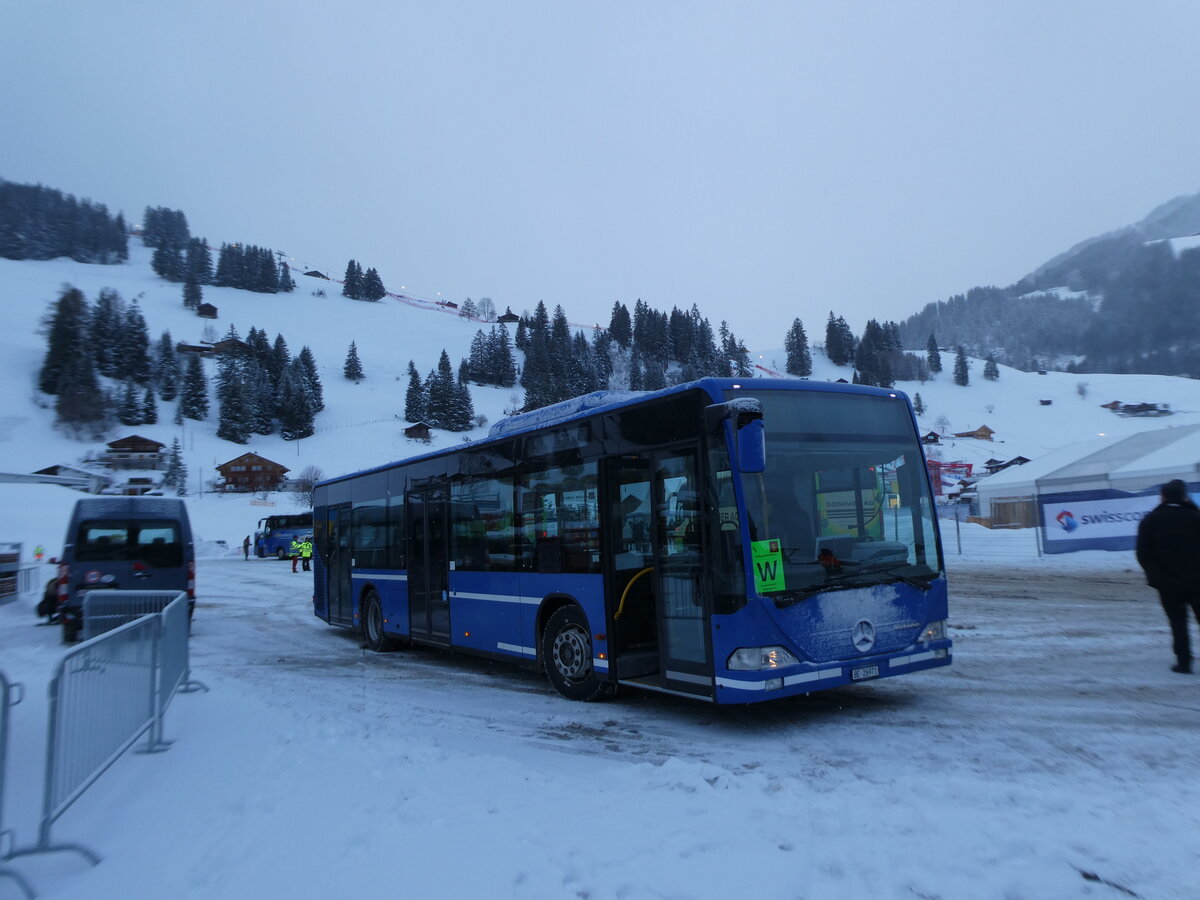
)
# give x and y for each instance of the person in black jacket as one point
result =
(1168, 549)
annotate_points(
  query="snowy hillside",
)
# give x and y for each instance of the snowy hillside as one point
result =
(362, 424)
(1016, 772)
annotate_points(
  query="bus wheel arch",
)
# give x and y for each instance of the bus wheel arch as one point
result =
(565, 651)
(370, 621)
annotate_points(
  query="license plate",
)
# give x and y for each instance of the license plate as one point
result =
(864, 673)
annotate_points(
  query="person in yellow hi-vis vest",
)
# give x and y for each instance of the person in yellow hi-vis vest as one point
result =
(306, 552)
(295, 552)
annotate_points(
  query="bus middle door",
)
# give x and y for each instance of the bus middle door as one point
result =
(338, 588)
(428, 520)
(660, 615)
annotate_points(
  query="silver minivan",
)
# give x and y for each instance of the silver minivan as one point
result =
(124, 543)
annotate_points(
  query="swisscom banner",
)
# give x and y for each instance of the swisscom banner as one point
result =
(1094, 520)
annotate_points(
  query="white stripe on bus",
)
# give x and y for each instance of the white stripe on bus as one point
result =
(910, 660)
(380, 577)
(498, 598)
(516, 648)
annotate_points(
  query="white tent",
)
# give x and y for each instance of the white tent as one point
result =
(1135, 463)
(1178, 459)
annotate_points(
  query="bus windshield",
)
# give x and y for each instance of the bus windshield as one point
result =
(844, 500)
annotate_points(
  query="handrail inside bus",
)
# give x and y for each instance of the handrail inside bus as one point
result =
(625, 593)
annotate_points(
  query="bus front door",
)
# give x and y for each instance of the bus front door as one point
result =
(660, 617)
(428, 517)
(337, 572)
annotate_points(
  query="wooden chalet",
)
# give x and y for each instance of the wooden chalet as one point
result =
(418, 432)
(999, 465)
(509, 316)
(202, 347)
(230, 347)
(206, 311)
(133, 452)
(931, 437)
(982, 433)
(313, 273)
(251, 472)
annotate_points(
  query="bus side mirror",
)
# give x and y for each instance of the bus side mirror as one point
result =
(752, 447)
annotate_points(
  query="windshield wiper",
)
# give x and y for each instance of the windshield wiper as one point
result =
(924, 583)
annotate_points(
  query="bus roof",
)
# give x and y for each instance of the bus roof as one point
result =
(608, 401)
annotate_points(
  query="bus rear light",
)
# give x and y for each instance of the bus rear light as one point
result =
(191, 583)
(757, 658)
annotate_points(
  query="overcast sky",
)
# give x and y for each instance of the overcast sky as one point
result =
(762, 160)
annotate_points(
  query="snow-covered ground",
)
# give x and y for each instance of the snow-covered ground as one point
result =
(1055, 758)
(1058, 748)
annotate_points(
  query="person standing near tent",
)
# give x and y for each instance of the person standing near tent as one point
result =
(295, 551)
(246, 547)
(1168, 550)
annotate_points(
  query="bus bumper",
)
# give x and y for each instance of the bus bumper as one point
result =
(770, 684)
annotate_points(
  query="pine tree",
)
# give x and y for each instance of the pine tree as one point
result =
(442, 395)
(353, 369)
(197, 263)
(287, 284)
(133, 360)
(66, 334)
(962, 368)
(918, 404)
(833, 342)
(166, 368)
(194, 400)
(933, 356)
(372, 287)
(280, 360)
(312, 381)
(462, 411)
(799, 359)
(619, 325)
(415, 406)
(476, 367)
(80, 404)
(352, 281)
(192, 295)
(636, 382)
(149, 408)
(260, 401)
(295, 411)
(105, 325)
(175, 475)
(234, 420)
(129, 412)
(990, 370)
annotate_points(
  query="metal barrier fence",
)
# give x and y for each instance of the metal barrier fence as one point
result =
(16, 578)
(10, 695)
(105, 610)
(107, 693)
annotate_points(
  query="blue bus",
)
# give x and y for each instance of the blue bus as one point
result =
(275, 534)
(733, 541)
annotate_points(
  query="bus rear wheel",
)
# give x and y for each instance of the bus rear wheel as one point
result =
(567, 654)
(281, 553)
(371, 619)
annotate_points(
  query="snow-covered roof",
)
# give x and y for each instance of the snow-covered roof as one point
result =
(1132, 463)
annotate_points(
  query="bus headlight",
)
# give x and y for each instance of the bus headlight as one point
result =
(755, 658)
(934, 631)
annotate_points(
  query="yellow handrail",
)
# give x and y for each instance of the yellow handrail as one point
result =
(625, 593)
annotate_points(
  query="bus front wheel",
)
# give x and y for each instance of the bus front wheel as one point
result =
(567, 654)
(281, 554)
(371, 619)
